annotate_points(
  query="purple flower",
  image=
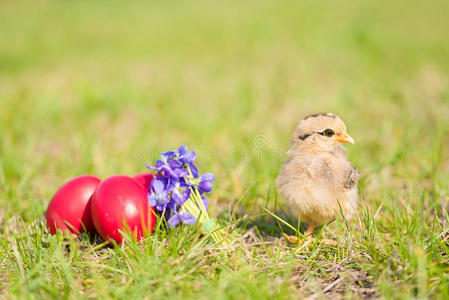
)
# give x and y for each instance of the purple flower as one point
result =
(183, 216)
(205, 184)
(179, 192)
(158, 197)
(186, 158)
(175, 162)
(181, 154)
(163, 169)
(174, 184)
(178, 168)
(194, 170)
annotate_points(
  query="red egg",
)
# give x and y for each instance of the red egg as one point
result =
(69, 209)
(144, 179)
(119, 203)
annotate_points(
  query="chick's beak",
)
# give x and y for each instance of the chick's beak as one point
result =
(344, 138)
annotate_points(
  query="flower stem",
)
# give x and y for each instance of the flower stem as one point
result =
(195, 206)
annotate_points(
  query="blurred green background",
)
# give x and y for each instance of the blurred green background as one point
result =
(102, 87)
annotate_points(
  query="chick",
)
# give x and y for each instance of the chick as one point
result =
(318, 181)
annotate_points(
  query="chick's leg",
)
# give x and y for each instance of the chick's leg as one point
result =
(291, 238)
(309, 237)
(310, 229)
(295, 240)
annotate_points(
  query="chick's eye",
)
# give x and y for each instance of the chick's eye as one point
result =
(328, 132)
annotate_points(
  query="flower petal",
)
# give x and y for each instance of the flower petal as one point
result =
(161, 206)
(167, 172)
(208, 177)
(150, 166)
(206, 202)
(152, 200)
(170, 153)
(159, 163)
(174, 220)
(205, 186)
(182, 150)
(189, 157)
(188, 218)
(194, 170)
(180, 172)
(158, 186)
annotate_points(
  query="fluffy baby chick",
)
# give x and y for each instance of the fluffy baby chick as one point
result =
(318, 181)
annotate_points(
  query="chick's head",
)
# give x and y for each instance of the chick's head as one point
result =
(320, 132)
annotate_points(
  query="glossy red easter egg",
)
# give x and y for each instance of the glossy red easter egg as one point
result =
(119, 203)
(69, 209)
(144, 179)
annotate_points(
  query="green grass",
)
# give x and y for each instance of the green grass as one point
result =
(101, 87)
